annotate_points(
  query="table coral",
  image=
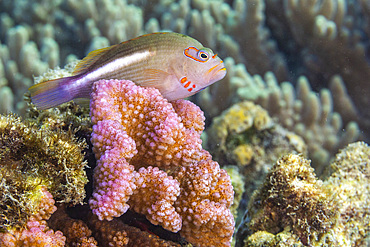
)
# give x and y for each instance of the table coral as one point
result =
(149, 154)
(31, 157)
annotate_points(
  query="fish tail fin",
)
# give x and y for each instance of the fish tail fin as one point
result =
(51, 93)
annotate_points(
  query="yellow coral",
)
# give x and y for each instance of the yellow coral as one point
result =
(293, 202)
(244, 135)
(243, 154)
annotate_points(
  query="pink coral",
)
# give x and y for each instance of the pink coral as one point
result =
(138, 139)
(155, 197)
(112, 192)
(148, 119)
(38, 234)
(204, 204)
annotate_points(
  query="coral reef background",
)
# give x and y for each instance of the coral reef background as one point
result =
(306, 62)
(297, 82)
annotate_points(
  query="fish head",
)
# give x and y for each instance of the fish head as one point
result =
(201, 68)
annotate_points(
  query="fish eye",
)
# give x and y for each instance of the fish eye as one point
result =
(203, 55)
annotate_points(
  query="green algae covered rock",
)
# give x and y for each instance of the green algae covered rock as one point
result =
(294, 203)
(34, 157)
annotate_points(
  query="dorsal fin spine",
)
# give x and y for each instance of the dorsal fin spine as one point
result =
(90, 59)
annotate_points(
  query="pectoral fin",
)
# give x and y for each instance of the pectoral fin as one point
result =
(156, 78)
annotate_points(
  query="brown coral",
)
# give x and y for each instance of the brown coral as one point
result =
(116, 233)
(76, 231)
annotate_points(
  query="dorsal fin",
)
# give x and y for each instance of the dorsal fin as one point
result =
(91, 58)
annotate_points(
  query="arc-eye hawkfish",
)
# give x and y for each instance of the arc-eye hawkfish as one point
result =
(177, 65)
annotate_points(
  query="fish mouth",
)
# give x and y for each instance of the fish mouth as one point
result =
(216, 68)
(219, 72)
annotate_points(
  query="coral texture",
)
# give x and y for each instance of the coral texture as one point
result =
(291, 188)
(76, 231)
(287, 37)
(204, 204)
(36, 232)
(31, 158)
(246, 136)
(116, 233)
(295, 205)
(306, 62)
(138, 139)
(300, 110)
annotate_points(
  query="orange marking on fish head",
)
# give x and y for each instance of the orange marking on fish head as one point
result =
(191, 89)
(201, 56)
(211, 69)
(183, 80)
(187, 84)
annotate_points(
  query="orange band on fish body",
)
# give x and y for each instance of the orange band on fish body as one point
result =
(183, 80)
(188, 83)
(190, 89)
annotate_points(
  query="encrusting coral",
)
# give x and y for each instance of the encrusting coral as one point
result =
(349, 186)
(150, 158)
(246, 136)
(291, 189)
(31, 157)
(293, 204)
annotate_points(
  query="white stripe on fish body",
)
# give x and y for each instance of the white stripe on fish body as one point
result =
(83, 84)
(118, 64)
